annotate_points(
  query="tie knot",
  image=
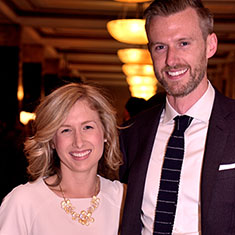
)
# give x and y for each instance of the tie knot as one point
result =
(182, 122)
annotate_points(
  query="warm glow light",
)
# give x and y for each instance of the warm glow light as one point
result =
(134, 55)
(143, 91)
(128, 30)
(25, 117)
(142, 86)
(141, 80)
(20, 93)
(138, 69)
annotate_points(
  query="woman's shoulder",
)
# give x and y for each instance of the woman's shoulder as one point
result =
(115, 185)
(23, 193)
(112, 190)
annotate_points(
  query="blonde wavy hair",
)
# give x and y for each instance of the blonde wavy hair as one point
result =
(51, 112)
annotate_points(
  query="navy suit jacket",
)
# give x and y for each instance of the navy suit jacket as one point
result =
(217, 187)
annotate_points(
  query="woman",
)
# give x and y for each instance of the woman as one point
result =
(74, 132)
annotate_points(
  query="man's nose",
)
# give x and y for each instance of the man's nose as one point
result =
(171, 57)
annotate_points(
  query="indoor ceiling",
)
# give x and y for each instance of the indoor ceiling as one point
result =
(75, 30)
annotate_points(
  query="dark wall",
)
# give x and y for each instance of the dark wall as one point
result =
(12, 161)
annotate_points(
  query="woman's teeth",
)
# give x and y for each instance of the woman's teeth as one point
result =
(80, 154)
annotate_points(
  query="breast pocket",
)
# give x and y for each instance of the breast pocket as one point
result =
(226, 171)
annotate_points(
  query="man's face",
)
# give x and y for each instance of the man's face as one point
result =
(179, 52)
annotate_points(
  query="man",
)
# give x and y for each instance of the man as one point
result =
(181, 40)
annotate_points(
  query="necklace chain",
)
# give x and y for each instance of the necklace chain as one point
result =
(85, 216)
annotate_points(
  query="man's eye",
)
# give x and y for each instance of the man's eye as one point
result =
(184, 43)
(160, 47)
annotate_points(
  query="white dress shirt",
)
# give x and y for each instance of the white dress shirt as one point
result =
(188, 211)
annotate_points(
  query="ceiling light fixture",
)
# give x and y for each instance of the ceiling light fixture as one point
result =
(142, 86)
(134, 55)
(138, 80)
(143, 91)
(131, 31)
(138, 69)
(137, 61)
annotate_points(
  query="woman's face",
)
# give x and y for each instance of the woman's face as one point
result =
(79, 141)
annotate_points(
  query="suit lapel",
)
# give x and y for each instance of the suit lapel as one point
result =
(216, 139)
(143, 141)
(145, 144)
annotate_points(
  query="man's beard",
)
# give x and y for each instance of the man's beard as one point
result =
(175, 88)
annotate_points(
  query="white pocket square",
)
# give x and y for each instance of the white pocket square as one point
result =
(226, 166)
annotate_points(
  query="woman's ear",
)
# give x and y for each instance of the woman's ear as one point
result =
(52, 145)
(212, 43)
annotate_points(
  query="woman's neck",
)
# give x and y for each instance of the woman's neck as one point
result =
(74, 187)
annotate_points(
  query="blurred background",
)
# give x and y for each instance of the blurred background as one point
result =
(44, 43)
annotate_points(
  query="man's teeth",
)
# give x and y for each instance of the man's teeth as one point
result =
(81, 154)
(177, 73)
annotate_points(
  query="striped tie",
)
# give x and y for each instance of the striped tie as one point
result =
(170, 177)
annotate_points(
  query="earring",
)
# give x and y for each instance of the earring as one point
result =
(105, 140)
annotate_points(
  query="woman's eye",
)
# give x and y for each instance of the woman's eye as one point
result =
(87, 127)
(65, 130)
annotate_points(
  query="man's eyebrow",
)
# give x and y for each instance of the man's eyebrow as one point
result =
(185, 38)
(156, 43)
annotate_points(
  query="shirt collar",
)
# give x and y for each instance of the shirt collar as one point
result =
(201, 110)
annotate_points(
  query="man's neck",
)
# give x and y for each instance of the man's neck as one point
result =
(183, 104)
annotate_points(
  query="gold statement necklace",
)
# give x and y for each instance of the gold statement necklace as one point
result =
(85, 216)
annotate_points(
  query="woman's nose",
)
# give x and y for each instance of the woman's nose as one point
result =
(78, 140)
